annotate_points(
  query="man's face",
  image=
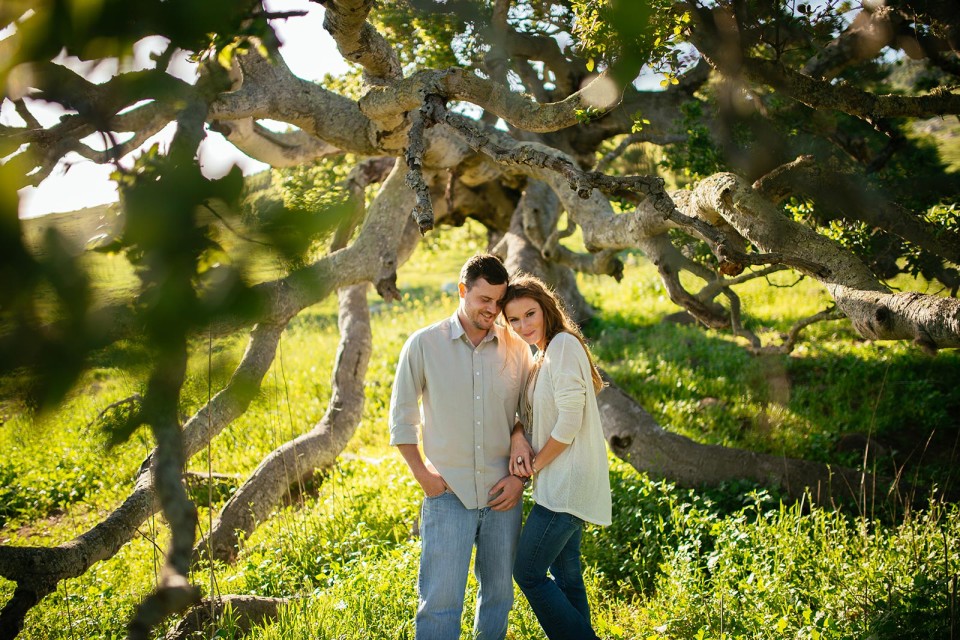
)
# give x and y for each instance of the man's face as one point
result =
(481, 303)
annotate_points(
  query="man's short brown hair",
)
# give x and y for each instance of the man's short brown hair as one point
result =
(486, 266)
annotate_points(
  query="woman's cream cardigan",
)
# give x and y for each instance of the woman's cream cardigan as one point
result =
(564, 406)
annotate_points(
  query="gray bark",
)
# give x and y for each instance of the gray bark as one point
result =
(372, 257)
(295, 462)
(246, 611)
(932, 322)
(635, 437)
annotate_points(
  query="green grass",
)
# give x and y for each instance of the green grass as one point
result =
(704, 385)
(726, 562)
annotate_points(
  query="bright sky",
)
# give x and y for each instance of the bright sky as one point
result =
(77, 182)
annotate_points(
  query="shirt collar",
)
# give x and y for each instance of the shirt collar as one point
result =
(457, 332)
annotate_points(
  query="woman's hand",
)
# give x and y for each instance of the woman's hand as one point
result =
(521, 455)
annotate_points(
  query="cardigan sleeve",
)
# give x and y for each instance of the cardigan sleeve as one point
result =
(567, 359)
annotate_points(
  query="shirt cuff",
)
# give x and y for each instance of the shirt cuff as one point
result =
(403, 434)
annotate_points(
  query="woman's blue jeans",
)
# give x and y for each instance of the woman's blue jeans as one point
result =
(551, 541)
(449, 532)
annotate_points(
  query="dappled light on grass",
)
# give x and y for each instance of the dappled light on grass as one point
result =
(673, 557)
(706, 386)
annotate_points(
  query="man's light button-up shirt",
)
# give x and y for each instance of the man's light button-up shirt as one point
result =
(468, 443)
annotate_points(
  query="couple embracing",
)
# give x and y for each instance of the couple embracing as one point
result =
(473, 390)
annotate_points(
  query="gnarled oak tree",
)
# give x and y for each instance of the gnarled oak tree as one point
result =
(782, 117)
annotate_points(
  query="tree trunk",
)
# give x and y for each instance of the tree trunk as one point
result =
(537, 210)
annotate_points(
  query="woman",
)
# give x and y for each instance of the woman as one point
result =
(572, 485)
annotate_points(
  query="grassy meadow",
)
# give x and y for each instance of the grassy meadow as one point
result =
(704, 563)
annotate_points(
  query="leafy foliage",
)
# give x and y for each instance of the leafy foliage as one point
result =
(429, 35)
(698, 156)
(626, 35)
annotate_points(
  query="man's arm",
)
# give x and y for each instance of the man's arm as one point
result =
(430, 481)
(506, 494)
(405, 416)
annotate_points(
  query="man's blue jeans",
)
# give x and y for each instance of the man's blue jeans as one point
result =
(448, 533)
(551, 540)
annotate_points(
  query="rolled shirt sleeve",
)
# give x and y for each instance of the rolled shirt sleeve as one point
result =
(405, 416)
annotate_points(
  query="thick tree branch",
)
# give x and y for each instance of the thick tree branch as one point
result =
(358, 41)
(868, 33)
(723, 48)
(496, 61)
(372, 171)
(842, 190)
(932, 322)
(174, 593)
(24, 112)
(819, 94)
(425, 117)
(295, 462)
(382, 103)
(547, 164)
(670, 262)
(287, 149)
(270, 90)
(98, 106)
(635, 436)
(98, 103)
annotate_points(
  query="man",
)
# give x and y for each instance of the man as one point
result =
(468, 371)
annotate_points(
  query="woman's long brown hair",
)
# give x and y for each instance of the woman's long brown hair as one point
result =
(555, 318)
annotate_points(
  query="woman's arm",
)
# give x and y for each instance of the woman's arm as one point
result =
(566, 360)
(547, 454)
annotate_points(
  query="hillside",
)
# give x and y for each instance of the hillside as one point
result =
(78, 227)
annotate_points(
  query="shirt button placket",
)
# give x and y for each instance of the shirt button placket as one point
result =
(478, 424)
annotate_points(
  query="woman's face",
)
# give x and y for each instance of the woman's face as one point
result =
(526, 317)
